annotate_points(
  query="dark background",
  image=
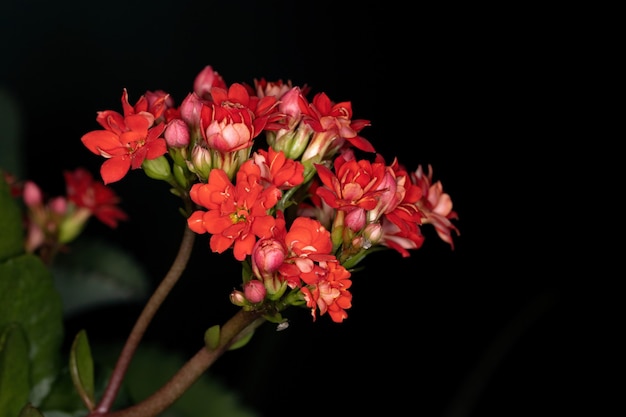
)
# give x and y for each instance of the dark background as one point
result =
(479, 331)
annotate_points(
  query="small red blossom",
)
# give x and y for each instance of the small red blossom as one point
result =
(436, 205)
(101, 200)
(279, 170)
(236, 214)
(329, 292)
(333, 125)
(127, 140)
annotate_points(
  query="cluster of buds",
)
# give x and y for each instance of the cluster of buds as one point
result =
(300, 209)
(53, 222)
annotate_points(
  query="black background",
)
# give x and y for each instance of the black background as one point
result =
(445, 86)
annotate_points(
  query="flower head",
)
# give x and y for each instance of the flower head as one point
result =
(237, 214)
(127, 140)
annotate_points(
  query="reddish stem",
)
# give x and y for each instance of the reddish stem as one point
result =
(153, 304)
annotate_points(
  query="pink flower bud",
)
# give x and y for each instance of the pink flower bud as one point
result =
(254, 291)
(32, 194)
(206, 80)
(58, 205)
(355, 220)
(177, 133)
(373, 232)
(201, 162)
(267, 256)
(290, 103)
(190, 110)
(237, 298)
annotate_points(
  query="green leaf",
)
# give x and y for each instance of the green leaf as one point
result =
(81, 368)
(63, 396)
(11, 230)
(14, 370)
(95, 273)
(242, 340)
(212, 337)
(28, 297)
(30, 411)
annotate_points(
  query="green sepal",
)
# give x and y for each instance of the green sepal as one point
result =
(81, 369)
(30, 411)
(274, 318)
(14, 369)
(246, 271)
(180, 175)
(212, 337)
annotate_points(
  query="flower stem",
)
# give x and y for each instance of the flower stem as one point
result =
(151, 307)
(239, 325)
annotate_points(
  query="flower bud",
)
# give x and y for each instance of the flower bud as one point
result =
(267, 256)
(201, 162)
(355, 220)
(190, 110)
(254, 291)
(373, 232)
(238, 299)
(177, 133)
(206, 80)
(58, 205)
(158, 168)
(73, 225)
(32, 194)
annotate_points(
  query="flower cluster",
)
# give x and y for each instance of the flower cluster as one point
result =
(299, 209)
(52, 222)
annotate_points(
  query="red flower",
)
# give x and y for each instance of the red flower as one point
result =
(329, 293)
(333, 125)
(233, 118)
(307, 243)
(279, 170)
(236, 214)
(435, 205)
(101, 200)
(127, 140)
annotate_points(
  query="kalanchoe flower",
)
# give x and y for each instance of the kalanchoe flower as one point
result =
(278, 170)
(299, 213)
(236, 214)
(101, 200)
(127, 140)
(435, 205)
(54, 222)
(328, 292)
(333, 126)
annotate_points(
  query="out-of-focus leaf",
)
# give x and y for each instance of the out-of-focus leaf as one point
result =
(212, 337)
(11, 230)
(95, 273)
(30, 411)
(28, 297)
(153, 366)
(81, 368)
(14, 370)
(63, 396)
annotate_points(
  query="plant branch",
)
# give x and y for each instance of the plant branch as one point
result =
(238, 326)
(153, 304)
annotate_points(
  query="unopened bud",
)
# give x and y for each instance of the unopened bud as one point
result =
(158, 168)
(237, 298)
(254, 291)
(177, 133)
